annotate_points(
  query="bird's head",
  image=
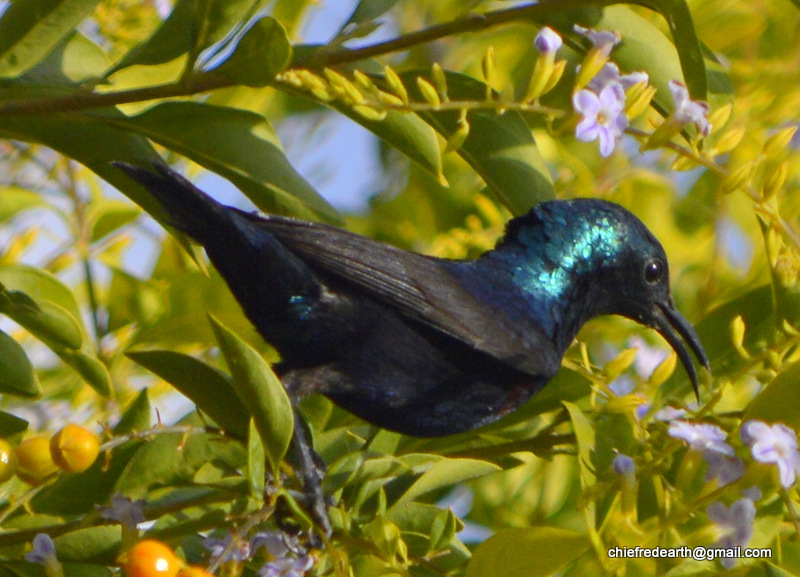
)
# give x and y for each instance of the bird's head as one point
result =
(622, 267)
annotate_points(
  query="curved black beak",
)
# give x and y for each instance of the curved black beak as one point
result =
(676, 329)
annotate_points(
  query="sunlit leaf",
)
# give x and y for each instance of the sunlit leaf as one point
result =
(202, 383)
(533, 552)
(136, 416)
(109, 216)
(191, 26)
(585, 436)
(11, 425)
(256, 459)
(262, 52)
(261, 392)
(30, 29)
(446, 472)
(16, 376)
(264, 174)
(174, 459)
(771, 404)
(47, 321)
(14, 200)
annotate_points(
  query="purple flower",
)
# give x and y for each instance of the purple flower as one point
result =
(239, 552)
(273, 541)
(725, 469)
(669, 413)
(604, 117)
(44, 550)
(602, 40)
(623, 465)
(124, 510)
(701, 436)
(735, 522)
(753, 493)
(287, 567)
(609, 74)
(688, 111)
(547, 41)
(776, 444)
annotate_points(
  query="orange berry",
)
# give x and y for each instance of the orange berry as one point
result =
(34, 463)
(8, 461)
(194, 571)
(150, 558)
(74, 448)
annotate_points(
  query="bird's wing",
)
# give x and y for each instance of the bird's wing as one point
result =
(419, 287)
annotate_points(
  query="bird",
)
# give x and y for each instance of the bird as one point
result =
(421, 345)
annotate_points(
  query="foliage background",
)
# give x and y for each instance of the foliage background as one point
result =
(83, 83)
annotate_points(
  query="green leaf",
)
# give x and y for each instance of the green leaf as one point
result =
(256, 457)
(408, 133)
(132, 300)
(500, 148)
(107, 216)
(16, 371)
(446, 472)
(77, 494)
(88, 366)
(584, 434)
(684, 35)
(136, 416)
(11, 425)
(771, 405)
(30, 29)
(192, 26)
(532, 552)
(39, 285)
(89, 544)
(87, 138)
(47, 321)
(74, 60)
(756, 309)
(262, 52)
(14, 200)
(264, 173)
(174, 459)
(369, 10)
(202, 383)
(261, 392)
(645, 47)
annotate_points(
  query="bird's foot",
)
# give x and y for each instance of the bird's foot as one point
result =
(311, 473)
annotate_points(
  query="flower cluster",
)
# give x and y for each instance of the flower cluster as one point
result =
(776, 445)
(601, 93)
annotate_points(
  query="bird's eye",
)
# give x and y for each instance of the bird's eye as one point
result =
(653, 271)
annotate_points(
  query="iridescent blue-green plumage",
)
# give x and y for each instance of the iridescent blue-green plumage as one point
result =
(422, 345)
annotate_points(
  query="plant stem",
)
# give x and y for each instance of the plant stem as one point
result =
(207, 81)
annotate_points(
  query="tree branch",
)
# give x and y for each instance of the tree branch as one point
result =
(205, 82)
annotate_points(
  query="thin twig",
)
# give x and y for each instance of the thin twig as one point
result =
(207, 81)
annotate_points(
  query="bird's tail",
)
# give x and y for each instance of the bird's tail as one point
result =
(190, 210)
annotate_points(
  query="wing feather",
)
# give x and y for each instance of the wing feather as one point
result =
(419, 287)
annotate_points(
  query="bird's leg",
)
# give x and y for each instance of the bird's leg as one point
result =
(312, 471)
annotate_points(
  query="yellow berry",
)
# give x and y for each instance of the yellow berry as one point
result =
(34, 463)
(150, 558)
(8, 461)
(194, 571)
(74, 448)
